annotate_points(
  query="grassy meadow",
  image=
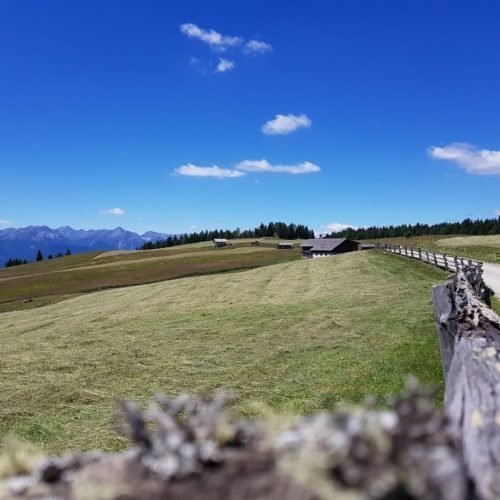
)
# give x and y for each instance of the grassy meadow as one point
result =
(297, 336)
(47, 282)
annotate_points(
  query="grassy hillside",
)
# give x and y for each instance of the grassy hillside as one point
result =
(298, 336)
(47, 282)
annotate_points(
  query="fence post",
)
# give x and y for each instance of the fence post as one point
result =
(436, 260)
(455, 260)
(419, 254)
(445, 262)
(406, 251)
(411, 251)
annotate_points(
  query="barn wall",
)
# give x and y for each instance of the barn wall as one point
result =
(347, 246)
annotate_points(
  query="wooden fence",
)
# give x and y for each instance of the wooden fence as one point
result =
(469, 338)
(473, 268)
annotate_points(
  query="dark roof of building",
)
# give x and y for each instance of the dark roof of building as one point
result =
(323, 244)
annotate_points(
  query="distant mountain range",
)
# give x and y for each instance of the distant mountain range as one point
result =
(23, 243)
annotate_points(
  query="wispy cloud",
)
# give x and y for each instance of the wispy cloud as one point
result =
(335, 227)
(264, 166)
(472, 159)
(214, 171)
(218, 42)
(257, 48)
(286, 124)
(224, 65)
(245, 166)
(215, 40)
(4, 222)
(496, 213)
(112, 211)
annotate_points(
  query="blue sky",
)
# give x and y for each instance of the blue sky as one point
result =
(179, 116)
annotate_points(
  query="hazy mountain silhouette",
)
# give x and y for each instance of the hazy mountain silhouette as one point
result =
(23, 243)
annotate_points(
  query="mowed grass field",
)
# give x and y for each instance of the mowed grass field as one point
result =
(50, 281)
(293, 337)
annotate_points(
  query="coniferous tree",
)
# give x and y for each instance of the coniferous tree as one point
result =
(68, 252)
(15, 262)
(39, 256)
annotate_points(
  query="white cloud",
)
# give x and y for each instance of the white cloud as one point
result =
(335, 227)
(213, 171)
(194, 61)
(5, 222)
(215, 40)
(256, 47)
(112, 211)
(469, 157)
(245, 166)
(264, 166)
(224, 65)
(285, 124)
(496, 213)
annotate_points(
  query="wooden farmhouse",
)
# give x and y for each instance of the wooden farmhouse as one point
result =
(325, 247)
(220, 242)
(284, 245)
(366, 246)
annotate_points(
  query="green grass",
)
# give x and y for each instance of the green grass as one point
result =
(33, 285)
(483, 248)
(495, 304)
(297, 337)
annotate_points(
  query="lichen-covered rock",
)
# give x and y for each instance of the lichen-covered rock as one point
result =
(189, 447)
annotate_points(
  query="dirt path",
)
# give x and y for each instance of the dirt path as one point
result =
(491, 275)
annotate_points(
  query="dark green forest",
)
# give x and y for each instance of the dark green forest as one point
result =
(279, 229)
(466, 227)
(15, 262)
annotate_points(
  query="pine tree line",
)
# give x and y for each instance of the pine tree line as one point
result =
(279, 229)
(38, 258)
(466, 227)
(15, 262)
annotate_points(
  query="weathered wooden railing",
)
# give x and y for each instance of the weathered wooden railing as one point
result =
(453, 263)
(469, 337)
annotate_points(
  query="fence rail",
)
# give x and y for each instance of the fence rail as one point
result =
(473, 269)
(469, 338)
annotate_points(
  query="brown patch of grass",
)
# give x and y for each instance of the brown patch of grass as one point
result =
(52, 283)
